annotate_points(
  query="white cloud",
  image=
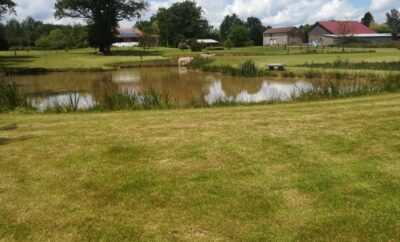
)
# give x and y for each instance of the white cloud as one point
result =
(377, 5)
(380, 7)
(271, 12)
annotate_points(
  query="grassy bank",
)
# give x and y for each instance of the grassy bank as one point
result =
(304, 171)
(346, 64)
(86, 59)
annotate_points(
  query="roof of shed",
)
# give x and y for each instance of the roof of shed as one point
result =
(280, 30)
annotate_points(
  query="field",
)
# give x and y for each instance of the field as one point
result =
(293, 57)
(302, 171)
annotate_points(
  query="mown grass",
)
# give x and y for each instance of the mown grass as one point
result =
(346, 64)
(86, 59)
(317, 171)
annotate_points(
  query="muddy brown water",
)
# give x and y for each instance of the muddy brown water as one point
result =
(182, 86)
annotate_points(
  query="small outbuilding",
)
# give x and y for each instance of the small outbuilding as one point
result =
(283, 36)
(208, 42)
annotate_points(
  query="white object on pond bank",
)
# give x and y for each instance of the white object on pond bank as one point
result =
(184, 61)
(206, 55)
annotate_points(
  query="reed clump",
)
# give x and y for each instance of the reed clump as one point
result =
(346, 64)
(11, 98)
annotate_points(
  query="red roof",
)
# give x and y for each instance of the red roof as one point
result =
(350, 27)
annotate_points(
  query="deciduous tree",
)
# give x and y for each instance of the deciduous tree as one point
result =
(256, 29)
(367, 19)
(393, 20)
(182, 21)
(7, 6)
(102, 17)
(239, 35)
(228, 23)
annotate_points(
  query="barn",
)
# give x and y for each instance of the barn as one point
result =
(330, 32)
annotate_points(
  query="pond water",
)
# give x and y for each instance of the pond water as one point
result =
(181, 85)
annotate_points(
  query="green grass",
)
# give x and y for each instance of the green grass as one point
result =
(84, 59)
(303, 171)
(79, 59)
(346, 64)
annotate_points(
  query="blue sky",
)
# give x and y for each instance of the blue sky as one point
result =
(271, 12)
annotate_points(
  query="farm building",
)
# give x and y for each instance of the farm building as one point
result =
(330, 32)
(283, 36)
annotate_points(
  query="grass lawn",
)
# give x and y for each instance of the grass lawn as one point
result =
(302, 171)
(77, 59)
(87, 59)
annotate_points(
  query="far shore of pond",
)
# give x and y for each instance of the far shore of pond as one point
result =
(85, 60)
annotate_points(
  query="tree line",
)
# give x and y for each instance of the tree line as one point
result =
(392, 24)
(181, 23)
(32, 34)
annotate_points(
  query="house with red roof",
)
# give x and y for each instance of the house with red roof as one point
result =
(329, 32)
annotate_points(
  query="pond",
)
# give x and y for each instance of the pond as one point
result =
(180, 84)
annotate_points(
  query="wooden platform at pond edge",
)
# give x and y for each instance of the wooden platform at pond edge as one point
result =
(280, 67)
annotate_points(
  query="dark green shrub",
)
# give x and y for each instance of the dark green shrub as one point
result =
(182, 46)
(229, 44)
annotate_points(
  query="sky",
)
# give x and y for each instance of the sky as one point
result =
(277, 13)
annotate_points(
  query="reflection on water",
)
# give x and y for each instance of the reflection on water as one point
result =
(182, 85)
(269, 91)
(79, 101)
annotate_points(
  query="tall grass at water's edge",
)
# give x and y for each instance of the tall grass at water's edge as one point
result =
(249, 69)
(150, 99)
(346, 64)
(11, 98)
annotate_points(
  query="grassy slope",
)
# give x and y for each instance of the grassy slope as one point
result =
(315, 171)
(86, 58)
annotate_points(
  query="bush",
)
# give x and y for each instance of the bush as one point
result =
(239, 35)
(195, 46)
(228, 44)
(54, 41)
(182, 46)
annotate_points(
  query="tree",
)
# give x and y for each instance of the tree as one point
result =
(182, 21)
(367, 19)
(30, 31)
(13, 33)
(229, 22)
(256, 29)
(102, 17)
(379, 28)
(56, 40)
(393, 20)
(239, 35)
(304, 29)
(7, 6)
(3, 40)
